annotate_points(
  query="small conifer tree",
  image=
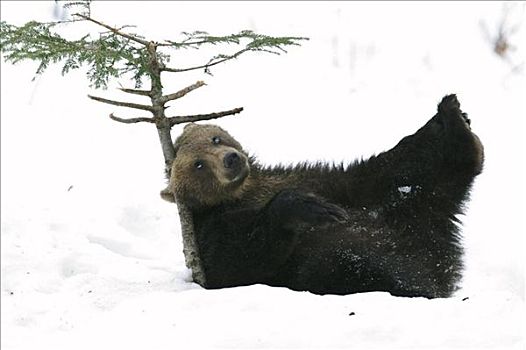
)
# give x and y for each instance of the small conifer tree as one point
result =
(116, 53)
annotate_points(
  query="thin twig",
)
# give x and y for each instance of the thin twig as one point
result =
(119, 29)
(131, 120)
(194, 118)
(62, 22)
(184, 43)
(114, 30)
(206, 66)
(182, 92)
(122, 104)
(136, 91)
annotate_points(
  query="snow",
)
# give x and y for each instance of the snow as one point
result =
(91, 257)
(404, 189)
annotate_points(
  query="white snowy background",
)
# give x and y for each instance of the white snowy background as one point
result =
(91, 257)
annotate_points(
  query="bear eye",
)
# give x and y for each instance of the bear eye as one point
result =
(216, 140)
(199, 165)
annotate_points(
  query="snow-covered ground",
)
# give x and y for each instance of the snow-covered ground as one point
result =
(91, 257)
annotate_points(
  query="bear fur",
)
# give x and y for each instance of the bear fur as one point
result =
(388, 223)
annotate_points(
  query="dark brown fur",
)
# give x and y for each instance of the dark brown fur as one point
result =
(387, 223)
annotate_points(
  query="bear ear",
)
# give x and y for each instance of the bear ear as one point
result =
(189, 126)
(168, 195)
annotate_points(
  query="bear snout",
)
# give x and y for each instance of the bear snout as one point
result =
(232, 160)
(235, 168)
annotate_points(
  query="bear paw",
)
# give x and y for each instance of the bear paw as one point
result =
(297, 207)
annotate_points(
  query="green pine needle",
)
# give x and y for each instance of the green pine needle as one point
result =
(112, 55)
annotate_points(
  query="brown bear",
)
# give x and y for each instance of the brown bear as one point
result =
(388, 223)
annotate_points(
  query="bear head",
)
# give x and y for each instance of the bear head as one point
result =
(210, 167)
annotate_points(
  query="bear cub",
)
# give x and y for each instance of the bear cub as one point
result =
(388, 223)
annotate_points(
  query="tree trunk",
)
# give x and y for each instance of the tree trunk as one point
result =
(164, 126)
(190, 250)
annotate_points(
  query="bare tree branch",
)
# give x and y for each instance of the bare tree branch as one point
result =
(136, 91)
(194, 118)
(182, 92)
(114, 30)
(122, 104)
(131, 120)
(206, 66)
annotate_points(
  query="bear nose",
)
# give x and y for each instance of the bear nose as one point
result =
(231, 160)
